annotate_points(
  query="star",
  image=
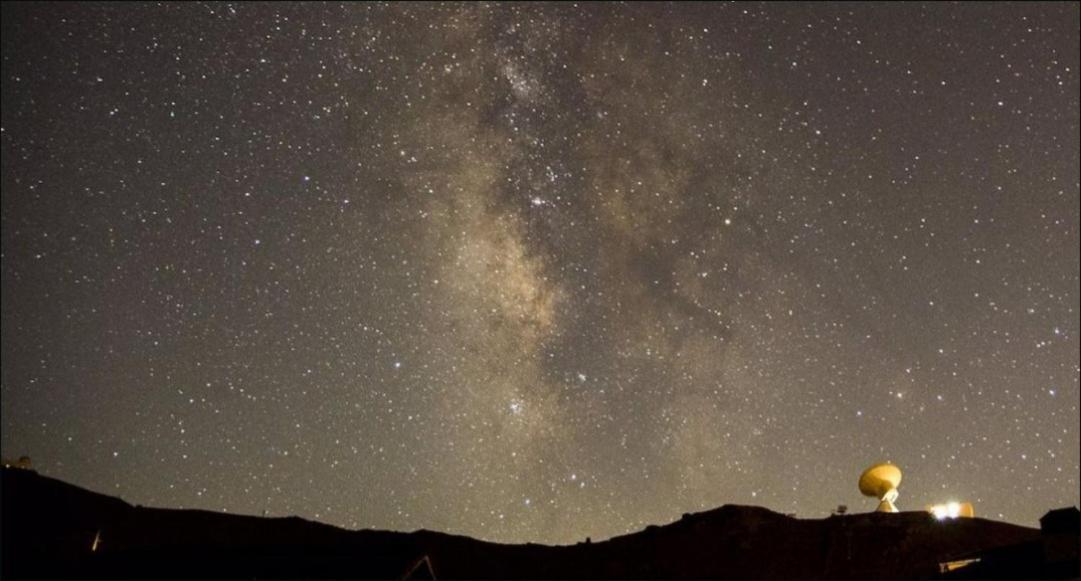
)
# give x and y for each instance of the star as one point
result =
(461, 261)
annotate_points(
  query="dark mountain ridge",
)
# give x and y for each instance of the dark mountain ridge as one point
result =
(54, 529)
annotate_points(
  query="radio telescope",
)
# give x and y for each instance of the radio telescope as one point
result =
(880, 481)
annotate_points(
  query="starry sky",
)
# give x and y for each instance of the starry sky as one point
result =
(542, 272)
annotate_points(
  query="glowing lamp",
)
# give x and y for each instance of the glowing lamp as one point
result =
(951, 510)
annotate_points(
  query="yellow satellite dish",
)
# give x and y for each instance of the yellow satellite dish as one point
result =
(881, 481)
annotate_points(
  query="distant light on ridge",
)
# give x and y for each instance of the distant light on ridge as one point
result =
(951, 510)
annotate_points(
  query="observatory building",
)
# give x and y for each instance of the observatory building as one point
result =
(881, 481)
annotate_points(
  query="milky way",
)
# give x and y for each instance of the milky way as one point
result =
(542, 272)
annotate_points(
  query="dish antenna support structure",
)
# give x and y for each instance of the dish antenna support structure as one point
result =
(881, 481)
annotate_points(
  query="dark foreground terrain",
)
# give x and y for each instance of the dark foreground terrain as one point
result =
(50, 527)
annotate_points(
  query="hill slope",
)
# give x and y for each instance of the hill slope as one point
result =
(49, 528)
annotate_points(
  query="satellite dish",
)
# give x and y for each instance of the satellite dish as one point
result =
(881, 481)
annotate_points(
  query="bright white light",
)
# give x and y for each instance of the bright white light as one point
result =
(953, 509)
(948, 510)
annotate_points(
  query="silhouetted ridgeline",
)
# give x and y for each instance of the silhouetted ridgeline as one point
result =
(50, 529)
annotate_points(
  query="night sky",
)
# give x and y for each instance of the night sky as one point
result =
(542, 272)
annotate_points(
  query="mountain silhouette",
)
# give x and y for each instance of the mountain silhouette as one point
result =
(53, 529)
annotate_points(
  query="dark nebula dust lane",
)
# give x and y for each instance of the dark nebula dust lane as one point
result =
(542, 272)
